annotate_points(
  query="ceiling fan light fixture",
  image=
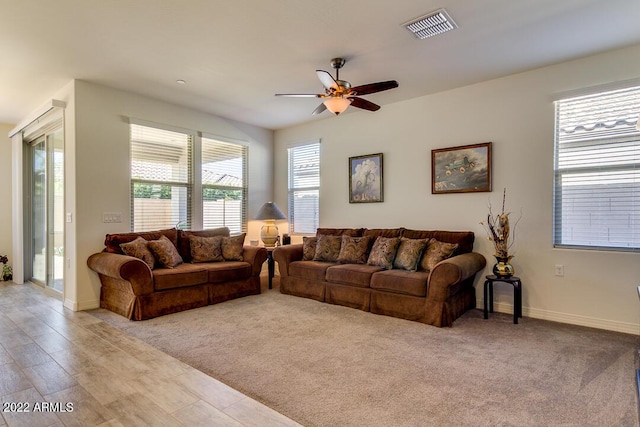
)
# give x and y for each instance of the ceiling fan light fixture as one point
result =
(431, 24)
(337, 104)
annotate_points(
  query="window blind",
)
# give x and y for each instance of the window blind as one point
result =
(597, 171)
(224, 185)
(304, 188)
(161, 178)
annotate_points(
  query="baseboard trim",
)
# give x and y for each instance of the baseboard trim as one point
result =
(80, 306)
(571, 319)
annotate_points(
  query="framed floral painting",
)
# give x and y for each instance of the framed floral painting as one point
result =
(365, 179)
(462, 169)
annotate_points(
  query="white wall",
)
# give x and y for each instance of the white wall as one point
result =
(101, 176)
(515, 113)
(5, 191)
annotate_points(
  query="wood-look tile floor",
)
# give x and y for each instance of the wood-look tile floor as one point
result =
(72, 369)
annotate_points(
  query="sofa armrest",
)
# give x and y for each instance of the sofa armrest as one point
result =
(256, 256)
(285, 255)
(123, 267)
(452, 271)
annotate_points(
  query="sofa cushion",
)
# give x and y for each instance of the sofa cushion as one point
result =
(328, 248)
(383, 252)
(113, 241)
(354, 250)
(227, 271)
(206, 249)
(353, 232)
(139, 248)
(436, 251)
(181, 276)
(309, 248)
(463, 238)
(409, 253)
(401, 282)
(352, 274)
(383, 232)
(165, 252)
(310, 270)
(232, 247)
(184, 247)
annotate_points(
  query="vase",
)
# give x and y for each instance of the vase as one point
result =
(503, 268)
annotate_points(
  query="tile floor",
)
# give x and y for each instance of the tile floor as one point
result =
(56, 358)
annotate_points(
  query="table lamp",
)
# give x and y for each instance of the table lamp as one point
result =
(269, 213)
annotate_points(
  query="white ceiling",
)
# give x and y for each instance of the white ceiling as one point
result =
(235, 55)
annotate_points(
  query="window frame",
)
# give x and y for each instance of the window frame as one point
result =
(244, 188)
(188, 185)
(293, 188)
(195, 188)
(584, 150)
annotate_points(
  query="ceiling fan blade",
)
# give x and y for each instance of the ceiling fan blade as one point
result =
(364, 104)
(327, 79)
(300, 95)
(374, 87)
(319, 109)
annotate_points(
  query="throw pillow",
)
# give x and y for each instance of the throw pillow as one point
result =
(165, 252)
(436, 251)
(139, 248)
(354, 250)
(327, 248)
(384, 251)
(309, 248)
(409, 253)
(233, 247)
(206, 249)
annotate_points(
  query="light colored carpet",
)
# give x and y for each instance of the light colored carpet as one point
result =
(326, 365)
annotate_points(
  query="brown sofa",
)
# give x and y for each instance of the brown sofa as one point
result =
(131, 288)
(437, 296)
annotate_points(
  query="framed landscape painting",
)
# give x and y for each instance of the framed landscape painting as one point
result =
(463, 169)
(365, 179)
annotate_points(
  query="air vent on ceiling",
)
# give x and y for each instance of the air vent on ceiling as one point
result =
(431, 24)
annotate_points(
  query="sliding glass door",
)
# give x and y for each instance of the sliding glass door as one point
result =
(46, 214)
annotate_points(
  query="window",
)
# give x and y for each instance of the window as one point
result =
(224, 185)
(304, 188)
(161, 178)
(597, 171)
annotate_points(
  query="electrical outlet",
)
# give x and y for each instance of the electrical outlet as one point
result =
(559, 270)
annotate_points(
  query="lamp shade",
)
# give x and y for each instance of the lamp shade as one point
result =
(270, 211)
(337, 105)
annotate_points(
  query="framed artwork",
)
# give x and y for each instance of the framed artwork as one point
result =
(463, 169)
(365, 179)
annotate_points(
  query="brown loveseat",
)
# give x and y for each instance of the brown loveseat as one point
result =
(429, 278)
(143, 288)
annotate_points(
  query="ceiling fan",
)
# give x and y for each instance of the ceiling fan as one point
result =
(338, 94)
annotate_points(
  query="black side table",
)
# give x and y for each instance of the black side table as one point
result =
(517, 295)
(271, 264)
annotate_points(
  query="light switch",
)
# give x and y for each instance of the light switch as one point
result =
(111, 217)
(69, 217)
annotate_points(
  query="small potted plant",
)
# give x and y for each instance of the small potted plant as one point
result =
(7, 272)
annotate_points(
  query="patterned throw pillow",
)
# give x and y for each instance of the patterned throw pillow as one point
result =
(384, 251)
(354, 250)
(327, 248)
(309, 248)
(206, 249)
(436, 251)
(165, 252)
(139, 248)
(409, 253)
(233, 247)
